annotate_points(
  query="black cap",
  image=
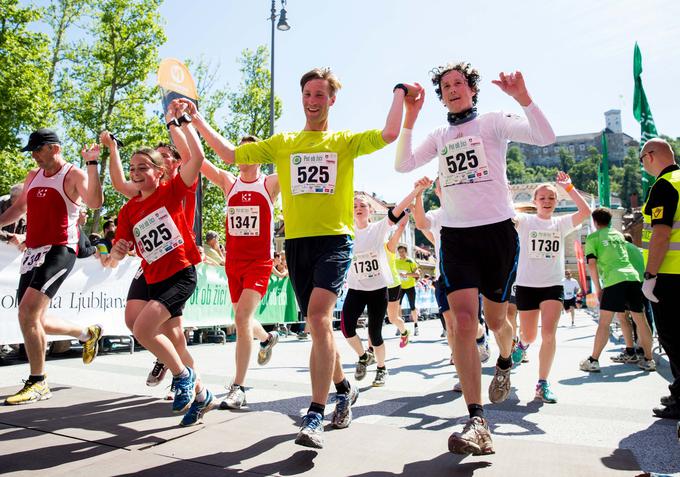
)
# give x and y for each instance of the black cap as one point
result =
(40, 138)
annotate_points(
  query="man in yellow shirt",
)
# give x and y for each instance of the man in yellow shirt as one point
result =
(408, 273)
(316, 174)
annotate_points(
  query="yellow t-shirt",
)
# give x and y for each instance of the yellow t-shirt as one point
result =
(316, 174)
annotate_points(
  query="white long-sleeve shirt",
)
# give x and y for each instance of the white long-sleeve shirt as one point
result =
(472, 164)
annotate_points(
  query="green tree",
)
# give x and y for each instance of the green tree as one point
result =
(584, 174)
(631, 182)
(104, 82)
(567, 160)
(25, 102)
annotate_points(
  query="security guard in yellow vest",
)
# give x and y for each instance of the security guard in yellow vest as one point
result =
(661, 250)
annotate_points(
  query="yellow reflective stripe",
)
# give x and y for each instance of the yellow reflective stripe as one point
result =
(648, 226)
(671, 246)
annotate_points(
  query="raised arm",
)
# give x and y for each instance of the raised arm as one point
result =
(393, 242)
(406, 159)
(176, 134)
(87, 184)
(535, 129)
(391, 130)
(583, 213)
(223, 148)
(118, 180)
(191, 167)
(422, 222)
(221, 178)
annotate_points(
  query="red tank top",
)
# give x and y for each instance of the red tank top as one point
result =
(51, 216)
(250, 221)
(158, 228)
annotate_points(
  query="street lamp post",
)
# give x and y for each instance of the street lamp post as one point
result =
(283, 26)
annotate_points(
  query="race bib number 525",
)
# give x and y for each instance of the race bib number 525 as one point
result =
(156, 235)
(463, 161)
(313, 173)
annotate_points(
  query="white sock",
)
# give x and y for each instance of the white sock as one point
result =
(202, 395)
(183, 374)
(84, 335)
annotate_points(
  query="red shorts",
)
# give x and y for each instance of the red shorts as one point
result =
(248, 274)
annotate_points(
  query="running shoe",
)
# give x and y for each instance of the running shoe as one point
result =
(311, 431)
(265, 353)
(371, 357)
(499, 389)
(360, 370)
(458, 388)
(624, 357)
(236, 398)
(484, 353)
(590, 366)
(518, 354)
(156, 374)
(380, 376)
(91, 345)
(647, 364)
(544, 393)
(197, 410)
(184, 392)
(415, 331)
(342, 415)
(31, 392)
(475, 438)
(667, 412)
(404, 338)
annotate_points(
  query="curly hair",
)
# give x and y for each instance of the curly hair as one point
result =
(471, 75)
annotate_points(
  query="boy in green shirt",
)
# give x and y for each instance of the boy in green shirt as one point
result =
(621, 288)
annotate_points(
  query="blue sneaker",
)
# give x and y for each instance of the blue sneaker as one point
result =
(184, 392)
(518, 354)
(342, 415)
(544, 393)
(197, 410)
(311, 431)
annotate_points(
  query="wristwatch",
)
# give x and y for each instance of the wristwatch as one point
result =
(184, 118)
(648, 276)
(91, 163)
(172, 122)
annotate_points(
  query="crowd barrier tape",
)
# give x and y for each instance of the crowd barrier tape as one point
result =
(94, 294)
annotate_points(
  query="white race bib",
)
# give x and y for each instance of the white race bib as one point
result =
(243, 221)
(33, 258)
(544, 244)
(366, 265)
(156, 235)
(313, 173)
(463, 161)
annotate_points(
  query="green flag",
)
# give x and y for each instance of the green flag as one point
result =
(643, 115)
(603, 174)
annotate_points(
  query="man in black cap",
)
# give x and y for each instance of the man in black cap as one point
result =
(51, 200)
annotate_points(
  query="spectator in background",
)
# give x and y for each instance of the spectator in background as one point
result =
(279, 269)
(108, 233)
(85, 247)
(212, 248)
(206, 259)
(18, 227)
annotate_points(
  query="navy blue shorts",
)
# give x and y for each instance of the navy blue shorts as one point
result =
(440, 296)
(318, 262)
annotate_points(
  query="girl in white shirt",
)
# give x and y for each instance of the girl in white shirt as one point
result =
(539, 290)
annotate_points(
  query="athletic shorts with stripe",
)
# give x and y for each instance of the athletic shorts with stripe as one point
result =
(48, 277)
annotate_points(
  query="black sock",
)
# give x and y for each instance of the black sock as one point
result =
(363, 357)
(382, 368)
(591, 359)
(240, 387)
(36, 378)
(370, 349)
(415, 325)
(476, 410)
(265, 342)
(630, 351)
(504, 363)
(316, 407)
(480, 340)
(342, 387)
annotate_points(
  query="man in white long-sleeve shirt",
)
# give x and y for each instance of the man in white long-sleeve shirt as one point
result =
(479, 243)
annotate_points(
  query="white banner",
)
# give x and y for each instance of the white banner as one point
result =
(91, 294)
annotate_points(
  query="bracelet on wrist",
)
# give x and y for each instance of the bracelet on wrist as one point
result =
(172, 122)
(402, 87)
(183, 119)
(91, 163)
(569, 188)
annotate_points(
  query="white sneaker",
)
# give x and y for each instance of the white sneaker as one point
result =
(647, 364)
(590, 366)
(236, 398)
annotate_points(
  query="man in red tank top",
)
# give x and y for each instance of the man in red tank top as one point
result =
(249, 245)
(51, 200)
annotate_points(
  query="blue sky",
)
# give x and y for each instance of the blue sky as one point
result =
(576, 57)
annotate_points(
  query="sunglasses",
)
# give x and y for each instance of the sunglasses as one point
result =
(643, 156)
